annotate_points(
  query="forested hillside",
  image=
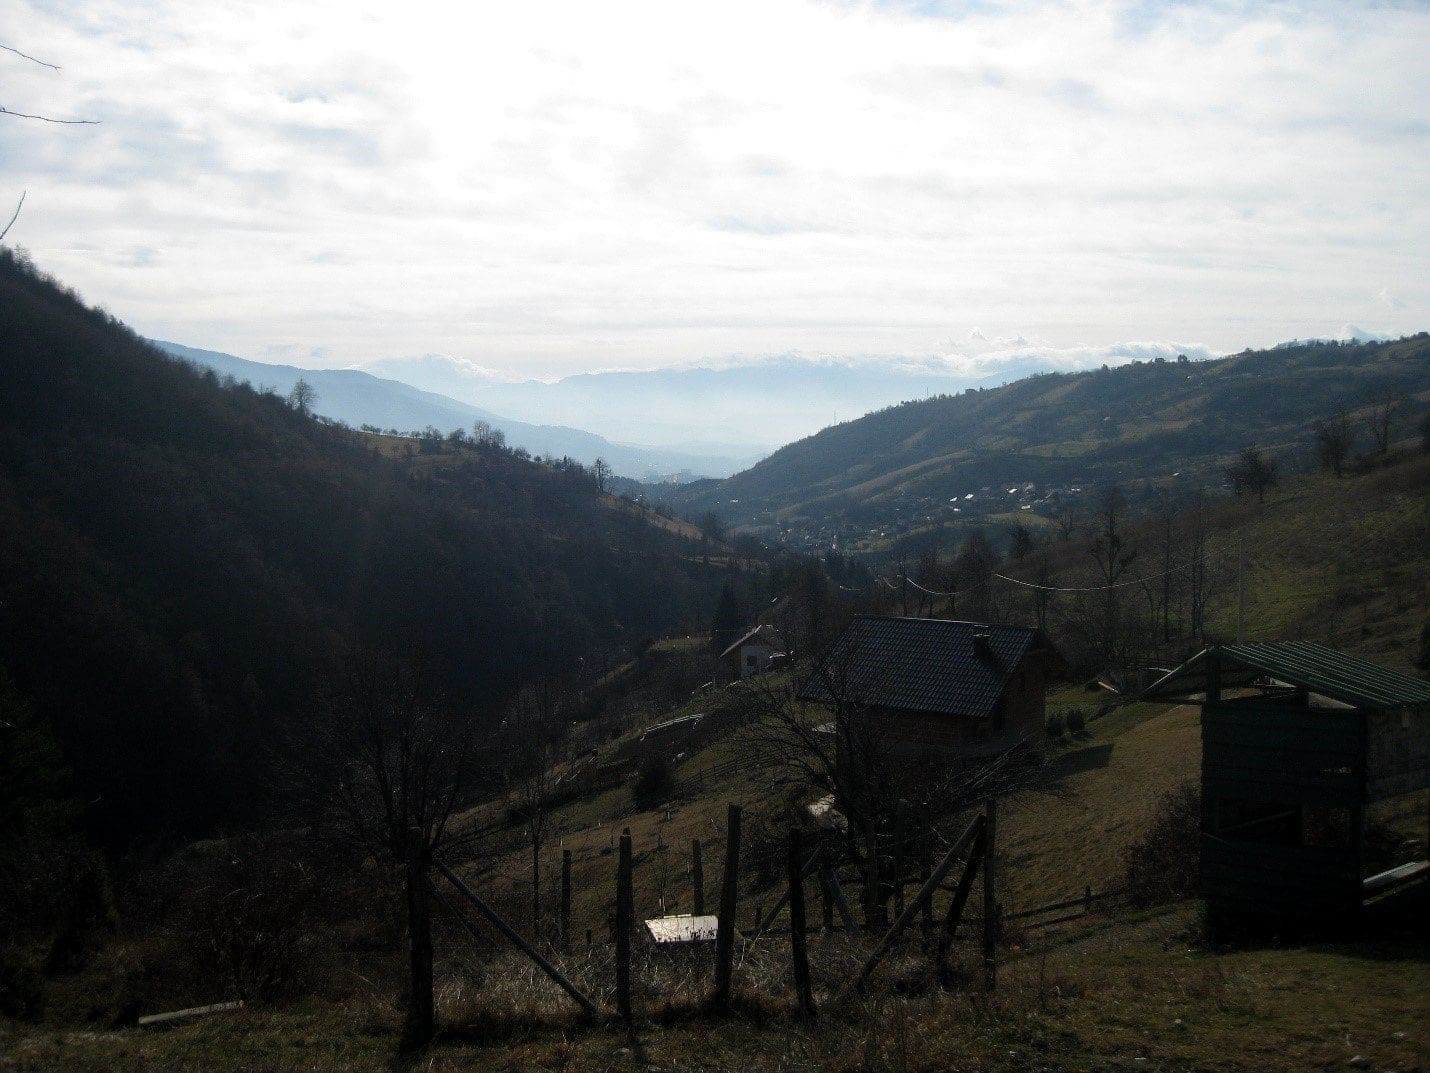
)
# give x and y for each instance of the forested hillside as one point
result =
(181, 562)
(1170, 421)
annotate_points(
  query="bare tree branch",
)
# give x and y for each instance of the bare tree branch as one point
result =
(50, 119)
(25, 56)
(19, 205)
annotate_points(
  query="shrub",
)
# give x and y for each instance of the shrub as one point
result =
(253, 916)
(1162, 866)
(1055, 725)
(1077, 722)
(22, 989)
(654, 781)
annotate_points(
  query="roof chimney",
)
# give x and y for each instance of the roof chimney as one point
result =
(982, 647)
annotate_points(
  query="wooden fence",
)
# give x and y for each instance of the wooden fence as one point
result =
(1071, 909)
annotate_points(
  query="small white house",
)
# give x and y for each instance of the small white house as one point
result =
(753, 653)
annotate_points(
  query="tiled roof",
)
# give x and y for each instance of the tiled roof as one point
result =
(921, 665)
(1303, 664)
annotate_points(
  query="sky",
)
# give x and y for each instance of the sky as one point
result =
(541, 188)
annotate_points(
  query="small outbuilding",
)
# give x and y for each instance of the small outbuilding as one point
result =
(1299, 743)
(754, 653)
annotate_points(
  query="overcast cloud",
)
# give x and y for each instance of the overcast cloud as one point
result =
(545, 188)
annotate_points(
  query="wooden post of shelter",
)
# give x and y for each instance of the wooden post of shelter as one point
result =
(990, 892)
(802, 986)
(566, 901)
(697, 879)
(625, 923)
(831, 884)
(725, 930)
(925, 866)
(826, 902)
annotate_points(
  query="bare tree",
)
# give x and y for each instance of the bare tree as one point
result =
(1335, 439)
(601, 470)
(384, 764)
(889, 804)
(1250, 473)
(303, 397)
(1384, 416)
(537, 732)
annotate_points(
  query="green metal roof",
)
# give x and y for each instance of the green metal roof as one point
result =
(1303, 664)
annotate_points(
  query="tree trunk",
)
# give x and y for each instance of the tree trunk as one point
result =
(421, 1019)
(536, 890)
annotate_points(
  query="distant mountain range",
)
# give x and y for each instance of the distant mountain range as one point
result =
(755, 403)
(1031, 444)
(359, 398)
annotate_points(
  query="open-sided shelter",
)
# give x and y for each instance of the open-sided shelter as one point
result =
(1298, 740)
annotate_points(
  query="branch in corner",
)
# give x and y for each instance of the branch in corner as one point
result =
(15, 216)
(49, 119)
(27, 56)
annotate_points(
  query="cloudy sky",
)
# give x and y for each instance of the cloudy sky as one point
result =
(543, 188)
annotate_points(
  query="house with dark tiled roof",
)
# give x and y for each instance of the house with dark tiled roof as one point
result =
(938, 690)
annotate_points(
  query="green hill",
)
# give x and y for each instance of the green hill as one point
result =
(1171, 422)
(181, 561)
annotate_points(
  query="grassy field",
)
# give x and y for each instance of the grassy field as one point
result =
(1127, 994)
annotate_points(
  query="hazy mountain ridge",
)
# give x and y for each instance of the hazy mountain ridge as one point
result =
(757, 401)
(357, 397)
(1150, 420)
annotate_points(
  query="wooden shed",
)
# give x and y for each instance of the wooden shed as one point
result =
(1298, 742)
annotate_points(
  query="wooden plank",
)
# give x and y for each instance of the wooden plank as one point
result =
(625, 922)
(1395, 877)
(729, 895)
(892, 935)
(193, 1013)
(804, 989)
(511, 935)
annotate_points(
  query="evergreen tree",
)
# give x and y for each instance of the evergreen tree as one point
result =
(729, 619)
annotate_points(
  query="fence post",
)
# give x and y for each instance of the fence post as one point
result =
(725, 930)
(990, 903)
(697, 878)
(566, 901)
(960, 897)
(803, 989)
(924, 869)
(625, 912)
(826, 902)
